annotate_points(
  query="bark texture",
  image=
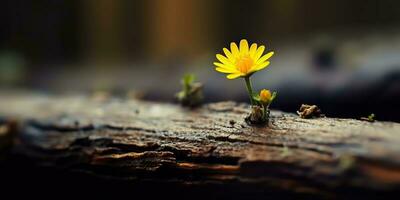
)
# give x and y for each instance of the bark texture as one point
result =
(137, 141)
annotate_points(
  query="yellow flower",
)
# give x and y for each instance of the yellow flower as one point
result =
(265, 96)
(242, 61)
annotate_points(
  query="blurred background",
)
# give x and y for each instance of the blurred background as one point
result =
(341, 55)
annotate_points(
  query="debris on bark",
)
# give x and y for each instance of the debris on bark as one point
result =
(309, 111)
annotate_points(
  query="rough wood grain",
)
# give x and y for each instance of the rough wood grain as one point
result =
(136, 141)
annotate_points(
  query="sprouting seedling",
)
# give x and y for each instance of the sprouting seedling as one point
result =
(243, 62)
(191, 94)
(370, 118)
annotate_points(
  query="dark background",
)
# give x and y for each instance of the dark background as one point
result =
(342, 55)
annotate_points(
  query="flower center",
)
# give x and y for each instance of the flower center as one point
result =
(244, 63)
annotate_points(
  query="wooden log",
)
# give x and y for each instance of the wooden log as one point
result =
(210, 147)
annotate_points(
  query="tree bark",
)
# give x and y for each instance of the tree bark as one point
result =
(134, 141)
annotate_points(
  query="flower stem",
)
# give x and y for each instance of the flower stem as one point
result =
(249, 89)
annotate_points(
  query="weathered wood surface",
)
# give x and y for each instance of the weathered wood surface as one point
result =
(137, 141)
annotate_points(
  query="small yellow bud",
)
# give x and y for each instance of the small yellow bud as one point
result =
(265, 96)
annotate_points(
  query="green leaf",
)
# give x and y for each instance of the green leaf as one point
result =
(274, 94)
(188, 79)
(256, 96)
(187, 82)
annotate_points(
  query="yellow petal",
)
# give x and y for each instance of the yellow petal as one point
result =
(224, 70)
(260, 66)
(223, 59)
(259, 52)
(265, 57)
(253, 49)
(226, 66)
(220, 65)
(233, 76)
(234, 50)
(244, 46)
(229, 55)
